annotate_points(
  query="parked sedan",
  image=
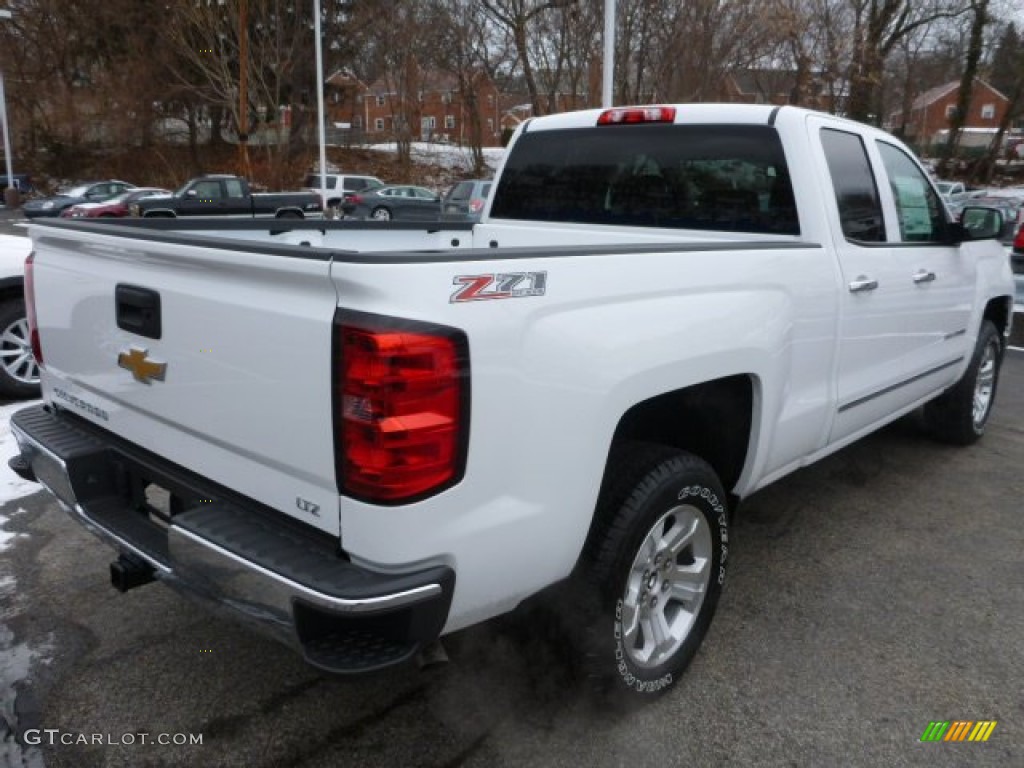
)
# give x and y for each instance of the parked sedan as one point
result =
(115, 207)
(465, 201)
(394, 202)
(93, 192)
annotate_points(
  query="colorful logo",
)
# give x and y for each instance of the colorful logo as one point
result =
(959, 730)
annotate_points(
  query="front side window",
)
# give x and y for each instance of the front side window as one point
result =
(860, 211)
(708, 177)
(921, 214)
(207, 190)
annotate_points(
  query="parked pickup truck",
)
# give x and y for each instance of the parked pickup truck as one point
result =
(221, 195)
(362, 437)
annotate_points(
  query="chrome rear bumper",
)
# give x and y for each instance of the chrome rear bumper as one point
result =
(232, 552)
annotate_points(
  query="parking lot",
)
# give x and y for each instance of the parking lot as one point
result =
(869, 595)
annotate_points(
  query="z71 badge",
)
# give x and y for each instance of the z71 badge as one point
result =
(505, 285)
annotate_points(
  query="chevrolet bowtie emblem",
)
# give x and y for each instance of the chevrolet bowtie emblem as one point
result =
(142, 368)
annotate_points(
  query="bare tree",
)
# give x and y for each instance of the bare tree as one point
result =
(979, 20)
(517, 17)
(878, 26)
(463, 46)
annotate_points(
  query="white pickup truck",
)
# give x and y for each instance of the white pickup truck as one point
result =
(362, 438)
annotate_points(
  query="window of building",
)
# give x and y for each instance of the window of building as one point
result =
(950, 111)
(988, 111)
(381, 101)
(378, 124)
(357, 122)
(449, 121)
(490, 124)
(490, 99)
(860, 211)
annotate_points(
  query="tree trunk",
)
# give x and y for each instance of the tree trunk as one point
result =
(963, 102)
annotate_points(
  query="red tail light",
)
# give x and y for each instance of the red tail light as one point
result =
(637, 115)
(1018, 241)
(475, 206)
(30, 307)
(401, 408)
(354, 199)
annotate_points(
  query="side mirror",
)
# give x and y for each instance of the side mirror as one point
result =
(191, 193)
(977, 223)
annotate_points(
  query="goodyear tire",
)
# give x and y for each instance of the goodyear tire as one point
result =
(655, 566)
(960, 414)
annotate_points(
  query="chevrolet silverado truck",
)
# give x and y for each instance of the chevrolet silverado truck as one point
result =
(363, 437)
(224, 195)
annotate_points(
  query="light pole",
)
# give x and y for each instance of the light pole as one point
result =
(608, 69)
(10, 193)
(320, 98)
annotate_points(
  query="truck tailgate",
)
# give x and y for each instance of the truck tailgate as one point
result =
(245, 337)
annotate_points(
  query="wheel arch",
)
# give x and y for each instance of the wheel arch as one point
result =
(712, 420)
(156, 213)
(283, 213)
(1000, 311)
(12, 288)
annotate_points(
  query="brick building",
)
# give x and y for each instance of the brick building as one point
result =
(930, 114)
(428, 103)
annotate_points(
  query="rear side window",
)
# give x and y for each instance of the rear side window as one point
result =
(462, 191)
(860, 211)
(715, 177)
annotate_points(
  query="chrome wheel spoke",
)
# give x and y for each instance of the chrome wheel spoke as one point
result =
(688, 585)
(665, 586)
(679, 535)
(664, 640)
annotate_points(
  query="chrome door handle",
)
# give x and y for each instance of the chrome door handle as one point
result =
(863, 283)
(923, 276)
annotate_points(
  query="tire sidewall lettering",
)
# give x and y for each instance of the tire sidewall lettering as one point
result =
(721, 518)
(629, 679)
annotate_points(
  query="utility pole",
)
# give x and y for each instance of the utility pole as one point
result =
(10, 193)
(243, 86)
(608, 68)
(320, 117)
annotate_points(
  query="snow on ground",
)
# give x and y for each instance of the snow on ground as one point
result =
(11, 486)
(447, 155)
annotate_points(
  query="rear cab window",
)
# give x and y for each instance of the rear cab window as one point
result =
(860, 209)
(711, 177)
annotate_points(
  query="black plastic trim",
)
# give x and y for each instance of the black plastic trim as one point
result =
(137, 229)
(898, 385)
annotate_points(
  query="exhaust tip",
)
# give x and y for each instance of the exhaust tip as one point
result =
(128, 573)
